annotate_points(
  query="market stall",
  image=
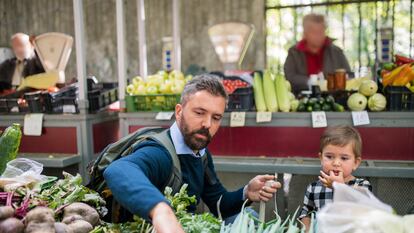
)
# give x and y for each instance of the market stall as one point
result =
(81, 137)
(279, 133)
(267, 128)
(71, 123)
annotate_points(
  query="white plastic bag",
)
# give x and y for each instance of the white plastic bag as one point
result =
(358, 195)
(359, 211)
(21, 172)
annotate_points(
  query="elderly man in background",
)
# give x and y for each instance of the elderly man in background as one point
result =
(25, 63)
(314, 54)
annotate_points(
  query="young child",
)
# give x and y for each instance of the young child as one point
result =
(340, 155)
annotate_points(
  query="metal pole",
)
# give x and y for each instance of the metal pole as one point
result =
(359, 35)
(120, 38)
(411, 28)
(80, 55)
(176, 35)
(141, 39)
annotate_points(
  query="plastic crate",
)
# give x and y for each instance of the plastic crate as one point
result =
(12, 104)
(103, 95)
(66, 100)
(151, 103)
(63, 101)
(61, 104)
(399, 98)
(34, 101)
(242, 99)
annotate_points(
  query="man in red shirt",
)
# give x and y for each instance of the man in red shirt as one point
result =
(315, 53)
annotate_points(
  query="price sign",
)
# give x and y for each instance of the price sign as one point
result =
(237, 119)
(360, 118)
(69, 108)
(164, 116)
(319, 120)
(263, 117)
(33, 124)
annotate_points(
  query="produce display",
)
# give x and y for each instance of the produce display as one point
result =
(9, 144)
(367, 96)
(51, 206)
(206, 222)
(247, 223)
(399, 73)
(159, 83)
(191, 223)
(258, 93)
(232, 85)
(272, 93)
(159, 92)
(326, 104)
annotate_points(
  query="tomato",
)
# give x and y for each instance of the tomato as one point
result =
(52, 89)
(231, 85)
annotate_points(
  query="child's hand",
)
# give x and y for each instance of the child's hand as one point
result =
(327, 180)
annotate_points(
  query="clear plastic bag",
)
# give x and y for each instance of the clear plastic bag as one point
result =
(357, 210)
(21, 172)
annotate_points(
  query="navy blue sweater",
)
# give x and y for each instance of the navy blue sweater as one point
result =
(137, 179)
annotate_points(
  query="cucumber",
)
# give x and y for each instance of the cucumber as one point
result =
(317, 107)
(312, 101)
(301, 107)
(326, 107)
(338, 108)
(330, 99)
(9, 145)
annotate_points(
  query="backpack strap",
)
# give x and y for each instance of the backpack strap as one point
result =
(175, 180)
(208, 173)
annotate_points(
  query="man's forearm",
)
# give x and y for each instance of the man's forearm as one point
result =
(164, 220)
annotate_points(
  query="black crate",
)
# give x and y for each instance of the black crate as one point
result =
(34, 101)
(242, 99)
(103, 95)
(62, 101)
(66, 101)
(12, 103)
(60, 104)
(399, 98)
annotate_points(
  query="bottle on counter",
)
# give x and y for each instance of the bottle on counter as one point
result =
(9, 145)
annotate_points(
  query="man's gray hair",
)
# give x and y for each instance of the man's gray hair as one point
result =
(204, 82)
(314, 18)
(21, 36)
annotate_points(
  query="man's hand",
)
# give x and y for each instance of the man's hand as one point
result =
(257, 191)
(164, 220)
(327, 180)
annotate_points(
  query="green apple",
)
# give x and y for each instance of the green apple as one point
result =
(140, 89)
(163, 73)
(130, 89)
(137, 80)
(155, 80)
(177, 87)
(188, 78)
(176, 74)
(152, 90)
(165, 87)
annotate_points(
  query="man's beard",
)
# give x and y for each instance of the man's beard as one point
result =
(191, 140)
